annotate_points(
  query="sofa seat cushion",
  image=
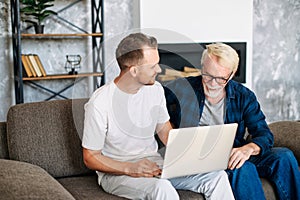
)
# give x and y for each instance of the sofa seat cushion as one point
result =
(185, 194)
(87, 188)
(20, 180)
(269, 191)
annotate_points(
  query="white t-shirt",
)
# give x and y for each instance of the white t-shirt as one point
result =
(123, 125)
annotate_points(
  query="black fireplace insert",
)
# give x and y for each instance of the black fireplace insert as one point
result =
(178, 55)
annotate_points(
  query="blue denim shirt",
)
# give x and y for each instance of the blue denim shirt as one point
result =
(185, 102)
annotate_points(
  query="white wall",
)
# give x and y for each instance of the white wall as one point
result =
(173, 21)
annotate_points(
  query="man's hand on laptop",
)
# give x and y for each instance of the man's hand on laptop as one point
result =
(143, 168)
(239, 155)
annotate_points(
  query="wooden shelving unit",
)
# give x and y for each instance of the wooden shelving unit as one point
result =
(62, 35)
(62, 76)
(97, 51)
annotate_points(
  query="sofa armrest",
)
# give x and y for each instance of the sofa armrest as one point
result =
(20, 180)
(48, 134)
(287, 134)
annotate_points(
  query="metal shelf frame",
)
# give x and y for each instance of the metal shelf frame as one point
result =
(96, 34)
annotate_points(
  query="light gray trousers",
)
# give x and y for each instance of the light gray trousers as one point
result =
(213, 185)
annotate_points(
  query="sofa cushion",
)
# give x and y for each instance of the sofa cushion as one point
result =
(46, 134)
(287, 134)
(87, 188)
(21, 180)
(269, 190)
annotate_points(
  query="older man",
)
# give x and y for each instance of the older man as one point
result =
(213, 98)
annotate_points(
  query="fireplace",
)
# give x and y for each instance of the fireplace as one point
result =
(179, 55)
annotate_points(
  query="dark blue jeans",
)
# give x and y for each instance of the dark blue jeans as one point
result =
(279, 166)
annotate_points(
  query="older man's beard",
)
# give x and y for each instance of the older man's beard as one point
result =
(217, 91)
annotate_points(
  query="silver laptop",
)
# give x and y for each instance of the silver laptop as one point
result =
(198, 150)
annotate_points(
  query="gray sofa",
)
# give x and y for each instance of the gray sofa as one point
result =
(41, 155)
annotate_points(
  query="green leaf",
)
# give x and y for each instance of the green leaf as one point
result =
(37, 9)
(29, 2)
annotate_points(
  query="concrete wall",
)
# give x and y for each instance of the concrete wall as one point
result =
(276, 59)
(6, 71)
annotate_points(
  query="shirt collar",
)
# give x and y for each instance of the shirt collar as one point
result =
(230, 92)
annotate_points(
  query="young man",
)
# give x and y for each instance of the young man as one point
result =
(213, 98)
(121, 118)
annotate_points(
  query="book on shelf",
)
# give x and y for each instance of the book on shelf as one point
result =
(33, 65)
(26, 66)
(40, 65)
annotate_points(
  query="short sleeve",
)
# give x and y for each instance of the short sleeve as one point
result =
(95, 127)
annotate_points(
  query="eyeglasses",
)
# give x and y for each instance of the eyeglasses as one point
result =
(220, 80)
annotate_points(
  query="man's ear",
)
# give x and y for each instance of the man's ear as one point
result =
(133, 71)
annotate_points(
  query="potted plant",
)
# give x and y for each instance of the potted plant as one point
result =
(36, 11)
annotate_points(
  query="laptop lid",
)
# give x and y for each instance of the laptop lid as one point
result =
(197, 150)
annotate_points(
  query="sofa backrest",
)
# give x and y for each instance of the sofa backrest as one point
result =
(48, 134)
(287, 134)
